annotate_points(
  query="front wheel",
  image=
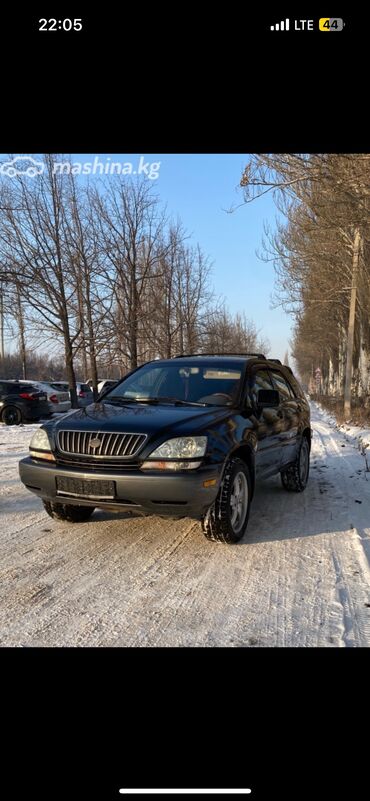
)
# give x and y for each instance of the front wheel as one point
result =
(295, 477)
(65, 511)
(227, 519)
(11, 416)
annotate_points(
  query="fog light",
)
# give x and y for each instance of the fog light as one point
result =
(210, 482)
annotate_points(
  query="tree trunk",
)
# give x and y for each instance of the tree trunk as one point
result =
(22, 341)
(68, 350)
(351, 324)
(2, 351)
(133, 322)
(91, 333)
(93, 369)
(81, 321)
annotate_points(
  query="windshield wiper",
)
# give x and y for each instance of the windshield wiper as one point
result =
(119, 399)
(178, 402)
(154, 400)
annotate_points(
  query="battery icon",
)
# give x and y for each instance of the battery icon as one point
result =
(331, 24)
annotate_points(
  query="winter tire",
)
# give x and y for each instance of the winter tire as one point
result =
(11, 416)
(227, 518)
(295, 477)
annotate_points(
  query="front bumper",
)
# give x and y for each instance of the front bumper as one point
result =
(170, 494)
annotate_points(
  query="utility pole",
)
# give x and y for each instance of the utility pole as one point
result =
(351, 323)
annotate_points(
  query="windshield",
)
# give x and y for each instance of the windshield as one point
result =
(205, 383)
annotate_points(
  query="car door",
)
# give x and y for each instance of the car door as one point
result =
(290, 417)
(268, 426)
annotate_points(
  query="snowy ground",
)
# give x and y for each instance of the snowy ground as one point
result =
(300, 577)
(359, 436)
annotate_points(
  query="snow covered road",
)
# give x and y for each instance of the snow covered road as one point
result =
(300, 576)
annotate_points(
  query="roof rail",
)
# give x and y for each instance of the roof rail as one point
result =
(188, 355)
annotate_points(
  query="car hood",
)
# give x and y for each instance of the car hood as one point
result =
(141, 418)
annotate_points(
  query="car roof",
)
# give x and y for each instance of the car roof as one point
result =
(206, 357)
(35, 381)
(221, 357)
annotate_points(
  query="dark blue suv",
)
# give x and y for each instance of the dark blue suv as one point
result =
(182, 437)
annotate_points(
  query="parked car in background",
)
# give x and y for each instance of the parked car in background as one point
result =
(62, 386)
(103, 383)
(85, 395)
(20, 401)
(107, 382)
(58, 399)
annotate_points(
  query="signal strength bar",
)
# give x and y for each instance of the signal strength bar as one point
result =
(280, 26)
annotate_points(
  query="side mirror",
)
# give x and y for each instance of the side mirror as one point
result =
(268, 398)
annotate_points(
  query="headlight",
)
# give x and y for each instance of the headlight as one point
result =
(181, 448)
(40, 447)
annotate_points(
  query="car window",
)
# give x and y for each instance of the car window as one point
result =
(282, 385)
(28, 388)
(202, 383)
(260, 380)
(296, 387)
(60, 387)
(85, 388)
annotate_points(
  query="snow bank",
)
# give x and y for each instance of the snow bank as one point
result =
(358, 436)
(16, 438)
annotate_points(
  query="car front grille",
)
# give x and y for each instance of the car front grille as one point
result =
(99, 445)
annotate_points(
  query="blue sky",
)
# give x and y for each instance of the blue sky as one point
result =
(198, 188)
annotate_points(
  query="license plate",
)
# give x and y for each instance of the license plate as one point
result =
(85, 488)
(42, 397)
(64, 397)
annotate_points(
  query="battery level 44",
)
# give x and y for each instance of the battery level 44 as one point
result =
(331, 24)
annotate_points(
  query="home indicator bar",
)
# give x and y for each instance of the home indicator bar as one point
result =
(181, 791)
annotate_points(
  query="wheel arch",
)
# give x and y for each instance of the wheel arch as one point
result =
(307, 433)
(246, 454)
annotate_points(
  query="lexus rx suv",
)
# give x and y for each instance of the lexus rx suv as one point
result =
(181, 437)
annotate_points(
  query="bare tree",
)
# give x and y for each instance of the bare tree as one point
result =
(32, 243)
(317, 250)
(131, 226)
